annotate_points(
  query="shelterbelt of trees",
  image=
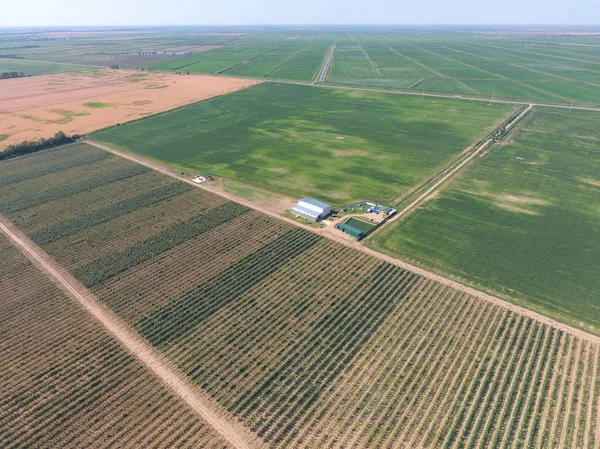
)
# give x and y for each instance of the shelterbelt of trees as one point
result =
(9, 75)
(60, 138)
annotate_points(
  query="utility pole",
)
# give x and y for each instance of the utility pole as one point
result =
(572, 103)
(492, 99)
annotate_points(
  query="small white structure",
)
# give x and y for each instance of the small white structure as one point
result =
(311, 209)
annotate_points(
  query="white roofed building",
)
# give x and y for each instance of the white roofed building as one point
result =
(311, 209)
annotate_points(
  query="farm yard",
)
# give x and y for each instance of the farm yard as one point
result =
(333, 145)
(81, 102)
(307, 342)
(523, 221)
(64, 382)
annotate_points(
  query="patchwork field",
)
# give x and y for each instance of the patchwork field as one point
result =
(296, 58)
(471, 65)
(334, 145)
(64, 382)
(81, 102)
(523, 221)
(526, 65)
(308, 342)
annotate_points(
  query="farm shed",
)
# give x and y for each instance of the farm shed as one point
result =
(349, 229)
(311, 209)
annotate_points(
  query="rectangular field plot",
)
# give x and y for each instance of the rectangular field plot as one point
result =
(523, 221)
(64, 382)
(307, 342)
(334, 145)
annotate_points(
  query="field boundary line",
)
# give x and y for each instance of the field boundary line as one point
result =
(435, 95)
(441, 75)
(353, 244)
(545, 55)
(375, 66)
(195, 398)
(289, 59)
(499, 76)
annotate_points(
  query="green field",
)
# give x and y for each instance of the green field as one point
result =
(31, 68)
(335, 145)
(466, 64)
(523, 221)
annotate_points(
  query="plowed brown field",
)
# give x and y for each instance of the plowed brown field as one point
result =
(78, 103)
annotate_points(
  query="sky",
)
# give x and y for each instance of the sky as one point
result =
(262, 12)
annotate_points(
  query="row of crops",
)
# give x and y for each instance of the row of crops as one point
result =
(64, 382)
(308, 342)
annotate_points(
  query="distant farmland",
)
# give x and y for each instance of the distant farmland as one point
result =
(296, 58)
(546, 65)
(334, 145)
(469, 66)
(307, 342)
(31, 68)
(523, 221)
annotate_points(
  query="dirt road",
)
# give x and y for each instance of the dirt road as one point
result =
(449, 96)
(339, 237)
(447, 175)
(200, 402)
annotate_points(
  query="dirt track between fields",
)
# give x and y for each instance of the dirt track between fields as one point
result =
(328, 232)
(40, 106)
(447, 175)
(447, 96)
(200, 402)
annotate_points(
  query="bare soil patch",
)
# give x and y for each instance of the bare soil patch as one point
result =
(592, 182)
(524, 200)
(347, 153)
(33, 107)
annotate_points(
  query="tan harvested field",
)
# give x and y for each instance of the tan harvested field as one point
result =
(35, 107)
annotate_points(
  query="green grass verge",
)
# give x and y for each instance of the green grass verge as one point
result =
(98, 105)
(335, 145)
(523, 221)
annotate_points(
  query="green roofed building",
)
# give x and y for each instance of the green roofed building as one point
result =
(349, 229)
(355, 227)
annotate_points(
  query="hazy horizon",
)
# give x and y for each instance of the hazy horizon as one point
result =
(110, 13)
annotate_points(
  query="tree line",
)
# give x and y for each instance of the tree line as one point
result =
(8, 75)
(60, 138)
